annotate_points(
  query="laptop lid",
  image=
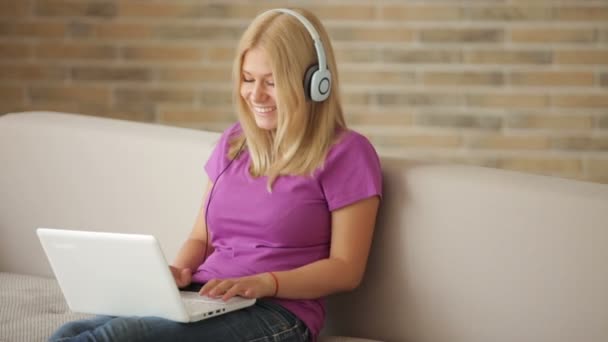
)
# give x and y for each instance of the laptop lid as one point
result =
(116, 274)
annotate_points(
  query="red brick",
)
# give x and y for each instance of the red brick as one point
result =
(72, 93)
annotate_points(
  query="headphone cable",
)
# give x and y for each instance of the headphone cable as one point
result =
(207, 242)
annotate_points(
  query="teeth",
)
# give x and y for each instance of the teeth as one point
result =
(264, 109)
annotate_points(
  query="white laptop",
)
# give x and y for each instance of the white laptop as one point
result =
(123, 275)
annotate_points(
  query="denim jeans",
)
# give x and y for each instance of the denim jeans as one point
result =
(265, 321)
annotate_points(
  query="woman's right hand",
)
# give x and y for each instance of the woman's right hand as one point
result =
(182, 276)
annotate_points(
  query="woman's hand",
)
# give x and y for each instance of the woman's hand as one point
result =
(256, 286)
(182, 276)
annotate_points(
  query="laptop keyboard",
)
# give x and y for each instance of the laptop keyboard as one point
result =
(196, 303)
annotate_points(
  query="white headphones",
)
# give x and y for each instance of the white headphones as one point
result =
(317, 79)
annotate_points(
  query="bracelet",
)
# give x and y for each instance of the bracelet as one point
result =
(276, 283)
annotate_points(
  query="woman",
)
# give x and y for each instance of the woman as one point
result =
(290, 206)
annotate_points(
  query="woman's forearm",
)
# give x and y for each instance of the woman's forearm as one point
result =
(318, 279)
(192, 254)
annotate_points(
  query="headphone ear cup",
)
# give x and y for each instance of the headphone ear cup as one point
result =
(308, 80)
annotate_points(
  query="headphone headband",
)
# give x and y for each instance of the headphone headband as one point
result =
(311, 30)
(317, 81)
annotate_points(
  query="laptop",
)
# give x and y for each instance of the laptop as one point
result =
(118, 274)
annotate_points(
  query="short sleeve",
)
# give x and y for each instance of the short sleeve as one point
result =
(351, 172)
(219, 156)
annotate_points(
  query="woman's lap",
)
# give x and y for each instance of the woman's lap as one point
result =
(264, 322)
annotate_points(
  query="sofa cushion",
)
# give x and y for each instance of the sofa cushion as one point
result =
(32, 307)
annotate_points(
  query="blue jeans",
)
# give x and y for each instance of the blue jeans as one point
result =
(265, 321)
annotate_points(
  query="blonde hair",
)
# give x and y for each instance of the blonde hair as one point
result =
(305, 129)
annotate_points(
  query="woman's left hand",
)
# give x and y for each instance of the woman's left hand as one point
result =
(255, 286)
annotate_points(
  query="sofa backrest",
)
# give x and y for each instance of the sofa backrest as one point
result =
(461, 253)
(472, 254)
(78, 172)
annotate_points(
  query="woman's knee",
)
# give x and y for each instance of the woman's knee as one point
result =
(75, 328)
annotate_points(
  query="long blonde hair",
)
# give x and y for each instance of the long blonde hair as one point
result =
(305, 129)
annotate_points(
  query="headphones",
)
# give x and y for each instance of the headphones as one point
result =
(317, 79)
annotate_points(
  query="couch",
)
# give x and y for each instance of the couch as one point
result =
(460, 254)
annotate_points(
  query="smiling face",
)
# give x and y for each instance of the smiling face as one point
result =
(257, 88)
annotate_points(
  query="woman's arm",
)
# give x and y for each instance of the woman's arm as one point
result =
(352, 230)
(193, 251)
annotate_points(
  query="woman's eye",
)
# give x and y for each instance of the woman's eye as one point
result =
(252, 80)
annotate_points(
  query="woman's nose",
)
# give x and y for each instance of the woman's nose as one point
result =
(258, 93)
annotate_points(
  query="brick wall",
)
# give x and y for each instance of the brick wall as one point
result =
(511, 84)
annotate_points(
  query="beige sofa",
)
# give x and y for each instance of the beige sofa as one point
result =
(461, 253)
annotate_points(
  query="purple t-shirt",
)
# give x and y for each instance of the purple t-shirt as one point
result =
(254, 231)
